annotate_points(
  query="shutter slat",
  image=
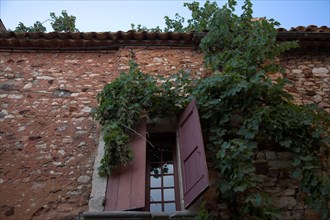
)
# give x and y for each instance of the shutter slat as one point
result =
(112, 191)
(126, 186)
(138, 192)
(124, 189)
(192, 155)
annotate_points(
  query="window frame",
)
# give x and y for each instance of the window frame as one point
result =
(186, 198)
(175, 171)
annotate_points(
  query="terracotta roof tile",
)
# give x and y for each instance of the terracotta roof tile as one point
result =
(309, 28)
(120, 35)
(115, 40)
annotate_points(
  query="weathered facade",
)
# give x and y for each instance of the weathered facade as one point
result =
(48, 88)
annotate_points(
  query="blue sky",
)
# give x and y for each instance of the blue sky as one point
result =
(111, 15)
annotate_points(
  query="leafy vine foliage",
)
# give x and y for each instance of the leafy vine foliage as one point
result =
(37, 26)
(199, 21)
(121, 103)
(242, 110)
(65, 23)
(245, 111)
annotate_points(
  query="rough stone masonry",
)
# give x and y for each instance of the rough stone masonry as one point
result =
(48, 138)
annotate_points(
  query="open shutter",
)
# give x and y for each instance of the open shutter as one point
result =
(126, 185)
(192, 155)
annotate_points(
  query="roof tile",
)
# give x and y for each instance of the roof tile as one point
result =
(114, 40)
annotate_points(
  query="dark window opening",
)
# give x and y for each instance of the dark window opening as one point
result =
(162, 184)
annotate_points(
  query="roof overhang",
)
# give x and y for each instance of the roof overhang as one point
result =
(96, 41)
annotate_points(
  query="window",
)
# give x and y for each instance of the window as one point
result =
(162, 179)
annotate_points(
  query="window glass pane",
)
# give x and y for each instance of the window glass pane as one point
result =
(155, 195)
(155, 156)
(168, 181)
(166, 144)
(169, 207)
(168, 168)
(156, 207)
(167, 156)
(161, 175)
(169, 195)
(155, 169)
(155, 181)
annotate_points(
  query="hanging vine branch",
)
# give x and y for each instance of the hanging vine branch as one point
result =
(122, 101)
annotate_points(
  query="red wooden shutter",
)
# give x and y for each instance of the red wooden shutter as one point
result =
(192, 155)
(126, 185)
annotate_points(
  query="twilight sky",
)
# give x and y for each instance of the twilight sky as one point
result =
(111, 15)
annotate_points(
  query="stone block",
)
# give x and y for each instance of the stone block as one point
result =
(284, 174)
(261, 168)
(270, 183)
(323, 105)
(273, 173)
(284, 155)
(320, 71)
(293, 215)
(280, 164)
(270, 155)
(301, 196)
(45, 78)
(13, 96)
(311, 215)
(9, 85)
(84, 179)
(275, 192)
(289, 192)
(308, 83)
(317, 98)
(296, 71)
(260, 156)
(287, 202)
(287, 183)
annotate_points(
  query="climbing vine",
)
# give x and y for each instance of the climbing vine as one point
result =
(245, 111)
(242, 110)
(121, 103)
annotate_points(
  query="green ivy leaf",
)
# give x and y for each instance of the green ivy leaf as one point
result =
(240, 188)
(296, 161)
(325, 190)
(286, 143)
(224, 186)
(297, 174)
(307, 158)
(258, 199)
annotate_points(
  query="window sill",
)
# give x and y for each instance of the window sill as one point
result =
(137, 215)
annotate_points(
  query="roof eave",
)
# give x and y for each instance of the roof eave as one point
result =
(89, 41)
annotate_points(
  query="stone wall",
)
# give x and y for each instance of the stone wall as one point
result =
(48, 138)
(274, 169)
(310, 83)
(47, 135)
(310, 76)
